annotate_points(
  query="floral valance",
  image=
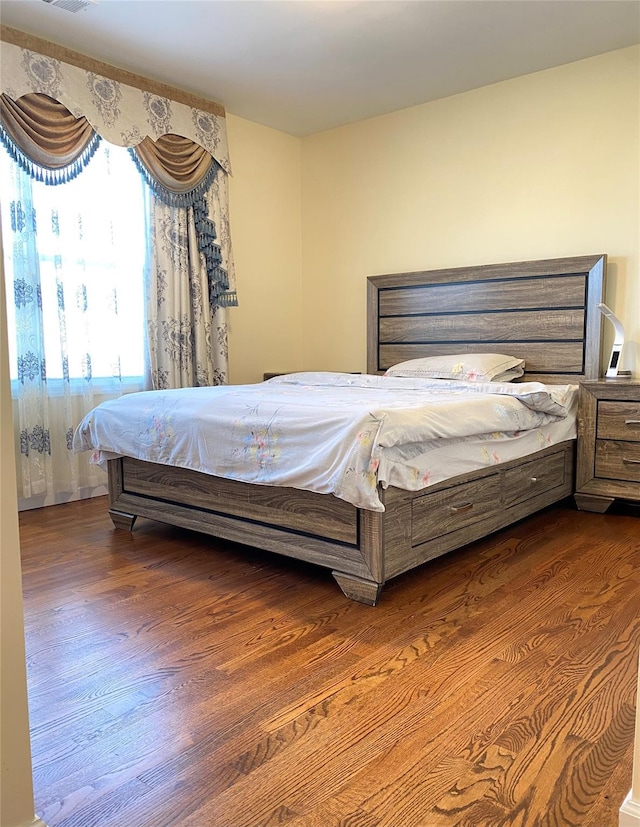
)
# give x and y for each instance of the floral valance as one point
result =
(53, 146)
(122, 114)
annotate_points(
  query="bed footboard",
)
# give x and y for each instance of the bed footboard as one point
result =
(363, 549)
(317, 528)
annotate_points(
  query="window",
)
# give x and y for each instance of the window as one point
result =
(91, 245)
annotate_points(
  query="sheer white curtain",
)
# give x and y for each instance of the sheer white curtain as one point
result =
(74, 265)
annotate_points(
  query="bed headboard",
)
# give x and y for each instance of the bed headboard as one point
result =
(544, 312)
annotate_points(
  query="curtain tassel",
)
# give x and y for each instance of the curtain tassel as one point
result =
(217, 276)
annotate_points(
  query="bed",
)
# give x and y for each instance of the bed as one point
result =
(543, 312)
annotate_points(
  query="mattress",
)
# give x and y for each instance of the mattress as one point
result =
(343, 434)
(439, 462)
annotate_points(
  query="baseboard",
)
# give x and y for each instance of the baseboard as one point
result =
(629, 813)
(43, 500)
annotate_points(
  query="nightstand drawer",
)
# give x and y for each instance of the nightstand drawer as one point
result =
(533, 478)
(444, 511)
(618, 460)
(618, 420)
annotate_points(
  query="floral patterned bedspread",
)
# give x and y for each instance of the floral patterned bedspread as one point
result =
(332, 433)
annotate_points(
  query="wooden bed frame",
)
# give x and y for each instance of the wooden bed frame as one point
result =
(542, 311)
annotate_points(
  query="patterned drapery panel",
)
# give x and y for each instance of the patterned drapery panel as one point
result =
(187, 334)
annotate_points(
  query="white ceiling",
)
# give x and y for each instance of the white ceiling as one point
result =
(302, 66)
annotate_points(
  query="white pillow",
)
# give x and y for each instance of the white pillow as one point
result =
(469, 367)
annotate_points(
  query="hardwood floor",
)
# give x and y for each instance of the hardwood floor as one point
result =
(179, 680)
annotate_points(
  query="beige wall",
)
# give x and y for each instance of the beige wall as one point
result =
(16, 792)
(264, 202)
(541, 166)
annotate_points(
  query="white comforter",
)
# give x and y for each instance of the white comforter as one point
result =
(327, 432)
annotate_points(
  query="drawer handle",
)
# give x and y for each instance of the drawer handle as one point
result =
(465, 507)
(630, 461)
(533, 479)
(632, 422)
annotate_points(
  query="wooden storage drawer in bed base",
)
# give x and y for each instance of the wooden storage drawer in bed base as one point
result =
(452, 516)
(454, 508)
(463, 505)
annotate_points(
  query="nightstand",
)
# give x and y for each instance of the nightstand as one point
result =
(266, 376)
(608, 465)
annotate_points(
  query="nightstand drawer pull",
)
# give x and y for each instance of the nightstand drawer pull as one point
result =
(632, 422)
(465, 507)
(533, 479)
(630, 461)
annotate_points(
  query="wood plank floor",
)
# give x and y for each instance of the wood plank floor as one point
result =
(176, 680)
